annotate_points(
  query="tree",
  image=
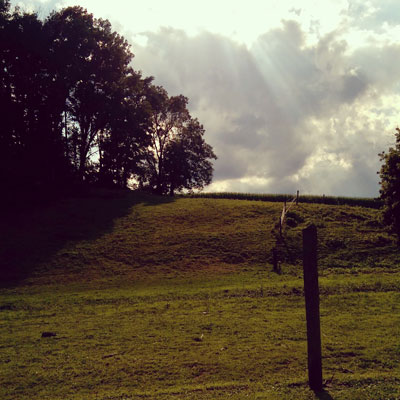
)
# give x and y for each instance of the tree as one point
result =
(92, 65)
(121, 145)
(74, 110)
(188, 159)
(178, 157)
(30, 149)
(390, 185)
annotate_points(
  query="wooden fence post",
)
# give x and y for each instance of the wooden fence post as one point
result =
(297, 198)
(275, 261)
(311, 293)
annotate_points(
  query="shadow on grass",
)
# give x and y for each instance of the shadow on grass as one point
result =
(30, 236)
(323, 395)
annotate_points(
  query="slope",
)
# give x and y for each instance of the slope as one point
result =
(158, 298)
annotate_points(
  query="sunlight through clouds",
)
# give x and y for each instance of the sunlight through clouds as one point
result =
(292, 95)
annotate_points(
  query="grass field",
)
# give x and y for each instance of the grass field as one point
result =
(314, 199)
(160, 298)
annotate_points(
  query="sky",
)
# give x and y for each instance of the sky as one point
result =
(293, 95)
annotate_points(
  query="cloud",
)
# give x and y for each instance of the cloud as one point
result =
(296, 11)
(42, 7)
(283, 115)
(374, 15)
(380, 65)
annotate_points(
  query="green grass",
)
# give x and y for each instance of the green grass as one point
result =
(159, 298)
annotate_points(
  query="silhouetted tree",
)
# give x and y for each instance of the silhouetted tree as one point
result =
(93, 64)
(390, 185)
(178, 157)
(121, 146)
(74, 110)
(30, 146)
(188, 159)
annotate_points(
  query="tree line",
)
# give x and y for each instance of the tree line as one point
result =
(75, 112)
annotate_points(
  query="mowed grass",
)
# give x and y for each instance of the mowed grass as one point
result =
(176, 299)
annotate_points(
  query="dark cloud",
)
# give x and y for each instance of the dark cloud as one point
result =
(379, 65)
(352, 86)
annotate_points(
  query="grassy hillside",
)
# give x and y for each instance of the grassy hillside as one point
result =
(135, 235)
(164, 298)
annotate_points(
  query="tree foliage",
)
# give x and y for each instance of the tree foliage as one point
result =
(178, 157)
(188, 158)
(31, 149)
(75, 111)
(390, 185)
(93, 80)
